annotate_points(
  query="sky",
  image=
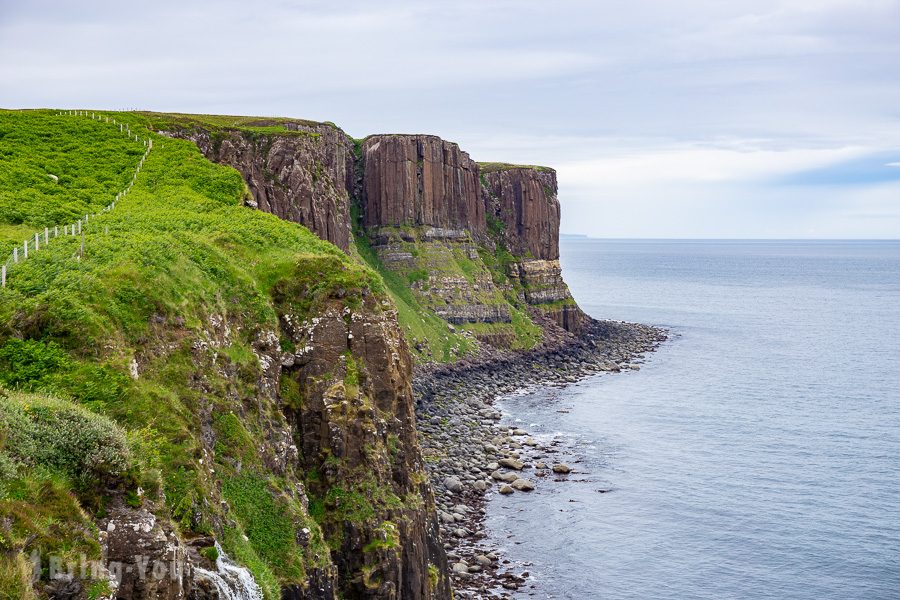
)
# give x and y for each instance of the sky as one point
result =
(663, 119)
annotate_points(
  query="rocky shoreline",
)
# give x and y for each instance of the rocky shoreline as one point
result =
(470, 455)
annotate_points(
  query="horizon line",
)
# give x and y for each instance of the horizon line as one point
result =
(713, 239)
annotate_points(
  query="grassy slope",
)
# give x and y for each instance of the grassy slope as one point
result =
(180, 250)
(428, 334)
(450, 259)
(70, 148)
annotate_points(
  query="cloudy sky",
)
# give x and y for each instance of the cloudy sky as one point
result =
(698, 118)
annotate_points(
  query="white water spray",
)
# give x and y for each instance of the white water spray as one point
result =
(232, 581)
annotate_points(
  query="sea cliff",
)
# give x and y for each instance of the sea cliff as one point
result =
(255, 327)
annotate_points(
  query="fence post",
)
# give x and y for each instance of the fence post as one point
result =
(16, 254)
(46, 235)
(56, 231)
(37, 242)
(26, 248)
(81, 254)
(79, 225)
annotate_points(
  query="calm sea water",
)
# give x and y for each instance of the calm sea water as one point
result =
(755, 455)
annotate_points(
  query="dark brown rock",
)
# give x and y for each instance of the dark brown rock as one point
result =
(144, 553)
(356, 430)
(525, 200)
(421, 180)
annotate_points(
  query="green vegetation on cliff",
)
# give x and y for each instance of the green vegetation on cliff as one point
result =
(149, 339)
(491, 167)
(219, 123)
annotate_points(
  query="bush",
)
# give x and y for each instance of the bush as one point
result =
(57, 434)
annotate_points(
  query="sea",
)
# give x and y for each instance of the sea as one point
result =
(756, 454)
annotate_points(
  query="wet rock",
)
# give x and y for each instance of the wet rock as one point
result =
(562, 468)
(483, 560)
(507, 477)
(523, 485)
(511, 463)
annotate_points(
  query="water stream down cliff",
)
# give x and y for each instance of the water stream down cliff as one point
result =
(230, 581)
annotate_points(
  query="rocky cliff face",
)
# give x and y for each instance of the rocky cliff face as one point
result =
(334, 446)
(431, 214)
(477, 246)
(302, 175)
(348, 395)
(421, 180)
(523, 202)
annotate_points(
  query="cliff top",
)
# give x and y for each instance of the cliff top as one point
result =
(275, 125)
(493, 167)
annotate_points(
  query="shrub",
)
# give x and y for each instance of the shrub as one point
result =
(58, 434)
(210, 553)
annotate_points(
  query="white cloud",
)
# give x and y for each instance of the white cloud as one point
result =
(660, 110)
(701, 165)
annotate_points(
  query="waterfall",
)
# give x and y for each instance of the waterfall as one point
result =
(232, 581)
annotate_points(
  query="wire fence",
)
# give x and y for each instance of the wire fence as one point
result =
(41, 239)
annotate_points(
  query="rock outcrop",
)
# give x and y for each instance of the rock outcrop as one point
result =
(524, 200)
(302, 175)
(145, 556)
(523, 203)
(421, 180)
(445, 272)
(353, 416)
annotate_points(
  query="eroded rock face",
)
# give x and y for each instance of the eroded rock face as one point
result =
(525, 201)
(356, 431)
(421, 180)
(546, 290)
(145, 555)
(303, 176)
(422, 255)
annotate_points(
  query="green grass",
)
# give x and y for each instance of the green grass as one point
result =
(493, 167)
(50, 449)
(267, 524)
(219, 123)
(433, 260)
(181, 254)
(523, 333)
(360, 500)
(92, 160)
(427, 334)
